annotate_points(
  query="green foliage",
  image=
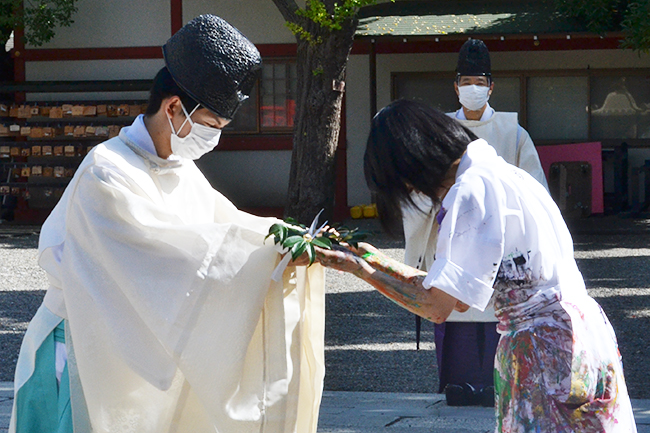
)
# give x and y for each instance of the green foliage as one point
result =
(316, 11)
(636, 26)
(348, 236)
(599, 16)
(39, 17)
(298, 239)
(602, 16)
(299, 31)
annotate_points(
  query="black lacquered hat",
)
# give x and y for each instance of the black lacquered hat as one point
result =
(213, 63)
(474, 59)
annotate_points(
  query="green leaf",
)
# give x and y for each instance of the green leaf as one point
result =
(311, 253)
(282, 234)
(274, 230)
(322, 242)
(41, 17)
(294, 222)
(357, 237)
(279, 233)
(291, 241)
(345, 235)
(298, 249)
(291, 235)
(354, 244)
(295, 232)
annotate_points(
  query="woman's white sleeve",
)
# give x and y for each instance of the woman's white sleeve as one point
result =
(470, 242)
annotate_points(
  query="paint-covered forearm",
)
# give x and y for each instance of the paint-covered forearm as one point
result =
(412, 297)
(394, 268)
(400, 283)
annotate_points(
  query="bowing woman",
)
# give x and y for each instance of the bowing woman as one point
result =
(502, 241)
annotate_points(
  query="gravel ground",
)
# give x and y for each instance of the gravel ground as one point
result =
(22, 287)
(370, 342)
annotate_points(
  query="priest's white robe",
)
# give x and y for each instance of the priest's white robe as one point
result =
(512, 142)
(175, 323)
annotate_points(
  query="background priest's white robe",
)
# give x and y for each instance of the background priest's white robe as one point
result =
(175, 321)
(513, 143)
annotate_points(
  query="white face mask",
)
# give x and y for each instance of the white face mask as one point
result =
(200, 140)
(473, 97)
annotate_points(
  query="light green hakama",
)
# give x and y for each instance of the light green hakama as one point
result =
(42, 404)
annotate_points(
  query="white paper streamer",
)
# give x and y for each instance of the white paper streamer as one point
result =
(279, 270)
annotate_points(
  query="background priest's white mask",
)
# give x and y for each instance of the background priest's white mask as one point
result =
(473, 97)
(200, 140)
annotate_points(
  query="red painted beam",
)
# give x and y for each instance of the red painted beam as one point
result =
(176, 15)
(121, 53)
(384, 45)
(277, 50)
(18, 55)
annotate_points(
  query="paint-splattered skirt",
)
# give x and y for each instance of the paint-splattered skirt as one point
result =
(562, 376)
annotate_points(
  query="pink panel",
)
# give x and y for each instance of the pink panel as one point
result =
(590, 152)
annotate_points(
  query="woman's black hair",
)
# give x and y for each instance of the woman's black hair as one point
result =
(411, 146)
(163, 87)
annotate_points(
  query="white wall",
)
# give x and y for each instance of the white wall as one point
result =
(93, 70)
(128, 23)
(259, 20)
(116, 23)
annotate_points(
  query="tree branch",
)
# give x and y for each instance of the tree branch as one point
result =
(288, 9)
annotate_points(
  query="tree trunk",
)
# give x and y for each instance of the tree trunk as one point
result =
(321, 83)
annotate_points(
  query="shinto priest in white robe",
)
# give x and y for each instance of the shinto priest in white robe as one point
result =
(173, 321)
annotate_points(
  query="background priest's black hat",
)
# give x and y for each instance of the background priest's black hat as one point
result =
(474, 59)
(213, 63)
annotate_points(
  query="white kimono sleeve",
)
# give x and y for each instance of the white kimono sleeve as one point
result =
(470, 242)
(146, 273)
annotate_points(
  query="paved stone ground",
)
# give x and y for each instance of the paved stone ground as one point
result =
(370, 412)
(373, 412)
(370, 342)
